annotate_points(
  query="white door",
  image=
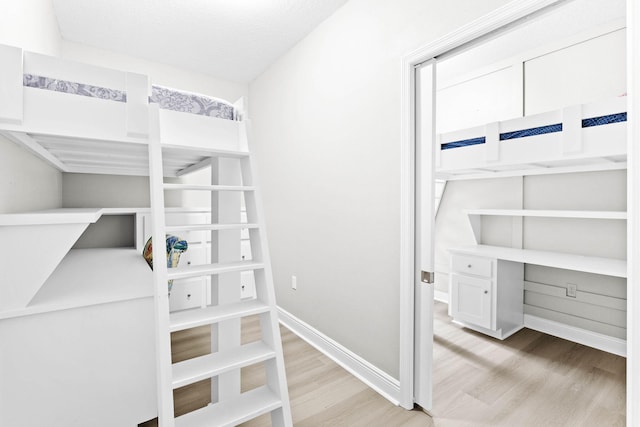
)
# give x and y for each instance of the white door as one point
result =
(425, 226)
(471, 300)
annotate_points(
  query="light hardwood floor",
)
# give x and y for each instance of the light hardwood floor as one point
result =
(530, 379)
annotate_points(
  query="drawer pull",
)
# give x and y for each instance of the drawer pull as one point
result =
(469, 266)
(486, 292)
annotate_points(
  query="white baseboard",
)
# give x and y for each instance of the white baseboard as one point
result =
(387, 386)
(441, 296)
(582, 336)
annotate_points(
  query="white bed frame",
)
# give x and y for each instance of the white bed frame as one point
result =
(77, 324)
(573, 149)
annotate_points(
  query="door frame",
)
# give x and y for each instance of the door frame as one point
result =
(499, 18)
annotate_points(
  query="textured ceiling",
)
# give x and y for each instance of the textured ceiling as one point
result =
(230, 39)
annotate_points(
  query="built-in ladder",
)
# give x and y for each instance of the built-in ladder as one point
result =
(223, 365)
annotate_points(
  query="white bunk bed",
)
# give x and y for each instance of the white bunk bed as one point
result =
(577, 138)
(487, 282)
(86, 119)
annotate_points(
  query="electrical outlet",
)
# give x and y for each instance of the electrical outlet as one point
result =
(571, 290)
(294, 282)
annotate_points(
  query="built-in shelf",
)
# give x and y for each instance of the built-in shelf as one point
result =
(88, 277)
(475, 217)
(52, 217)
(588, 264)
(46, 237)
(549, 213)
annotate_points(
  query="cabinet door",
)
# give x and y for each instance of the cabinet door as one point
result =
(471, 300)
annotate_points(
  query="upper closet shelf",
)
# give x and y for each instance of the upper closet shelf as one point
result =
(87, 119)
(577, 138)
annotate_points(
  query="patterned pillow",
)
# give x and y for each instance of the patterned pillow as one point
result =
(175, 247)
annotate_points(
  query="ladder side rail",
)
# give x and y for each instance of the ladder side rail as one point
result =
(275, 369)
(225, 247)
(161, 290)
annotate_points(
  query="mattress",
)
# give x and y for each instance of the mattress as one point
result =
(166, 98)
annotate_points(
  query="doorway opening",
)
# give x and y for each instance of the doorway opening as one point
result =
(499, 92)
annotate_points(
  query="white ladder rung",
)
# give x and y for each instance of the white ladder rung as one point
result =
(199, 227)
(195, 317)
(210, 269)
(172, 150)
(208, 187)
(232, 412)
(211, 365)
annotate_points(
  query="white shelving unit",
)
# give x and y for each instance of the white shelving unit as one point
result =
(475, 216)
(481, 288)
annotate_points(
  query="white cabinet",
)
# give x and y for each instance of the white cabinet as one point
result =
(487, 294)
(192, 292)
(247, 278)
(472, 300)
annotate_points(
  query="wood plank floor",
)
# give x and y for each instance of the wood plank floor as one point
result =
(530, 379)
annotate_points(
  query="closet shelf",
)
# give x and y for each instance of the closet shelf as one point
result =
(52, 217)
(549, 213)
(587, 264)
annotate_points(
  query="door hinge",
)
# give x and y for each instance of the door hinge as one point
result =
(427, 276)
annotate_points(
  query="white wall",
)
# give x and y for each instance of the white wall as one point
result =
(326, 127)
(161, 74)
(597, 64)
(27, 183)
(31, 25)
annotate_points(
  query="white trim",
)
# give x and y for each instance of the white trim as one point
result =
(407, 231)
(499, 18)
(582, 336)
(387, 386)
(606, 165)
(633, 212)
(441, 296)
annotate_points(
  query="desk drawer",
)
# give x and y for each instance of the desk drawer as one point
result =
(467, 264)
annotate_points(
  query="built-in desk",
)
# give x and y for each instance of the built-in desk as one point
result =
(487, 282)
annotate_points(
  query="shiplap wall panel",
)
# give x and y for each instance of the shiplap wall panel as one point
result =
(615, 287)
(572, 307)
(579, 322)
(581, 296)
